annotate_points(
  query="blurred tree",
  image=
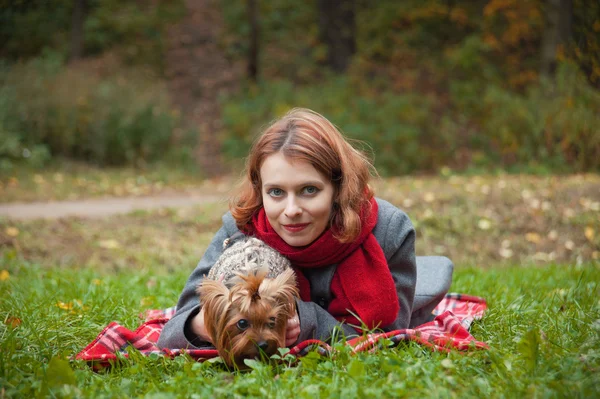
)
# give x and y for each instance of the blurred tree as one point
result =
(253, 51)
(586, 39)
(557, 33)
(77, 29)
(337, 27)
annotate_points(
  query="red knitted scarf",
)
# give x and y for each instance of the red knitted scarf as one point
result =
(362, 284)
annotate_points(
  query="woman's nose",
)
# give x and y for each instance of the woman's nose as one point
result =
(292, 208)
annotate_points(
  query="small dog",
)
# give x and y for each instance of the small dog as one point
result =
(248, 297)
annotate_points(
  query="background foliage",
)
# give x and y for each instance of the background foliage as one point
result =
(431, 84)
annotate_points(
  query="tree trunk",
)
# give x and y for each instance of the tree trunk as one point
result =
(557, 32)
(77, 25)
(252, 9)
(337, 27)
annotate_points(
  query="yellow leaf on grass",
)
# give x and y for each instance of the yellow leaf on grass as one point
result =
(533, 237)
(589, 233)
(64, 306)
(147, 301)
(11, 231)
(484, 224)
(4, 275)
(109, 244)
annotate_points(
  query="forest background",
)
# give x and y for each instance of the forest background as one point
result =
(427, 85)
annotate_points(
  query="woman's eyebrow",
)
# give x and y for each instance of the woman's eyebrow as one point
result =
(303, 184)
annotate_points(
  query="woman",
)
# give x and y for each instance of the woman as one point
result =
(306, 194)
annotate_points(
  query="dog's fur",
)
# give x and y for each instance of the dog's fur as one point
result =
(246, 316)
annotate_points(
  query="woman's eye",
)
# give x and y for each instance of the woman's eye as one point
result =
(275, 192)
(243, 324)
(311, 190)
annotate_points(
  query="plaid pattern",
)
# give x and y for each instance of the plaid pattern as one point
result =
(449, 330)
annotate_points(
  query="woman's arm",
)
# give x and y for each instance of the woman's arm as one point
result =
(396, 235)
(318, 323)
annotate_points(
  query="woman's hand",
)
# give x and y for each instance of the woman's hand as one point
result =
(199, 328)
(293, 330)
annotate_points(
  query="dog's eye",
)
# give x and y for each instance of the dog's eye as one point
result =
(243, 324)
(272, 322)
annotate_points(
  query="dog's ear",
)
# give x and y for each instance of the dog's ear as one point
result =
(214, 297)
(283, 289)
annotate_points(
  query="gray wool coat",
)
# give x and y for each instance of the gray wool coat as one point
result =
(421, 283)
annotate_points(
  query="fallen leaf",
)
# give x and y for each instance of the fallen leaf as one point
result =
(589, 233)
(429, 197)
(109, 244)
(11, 231)
(533, 237)
(64, 306)
(147, 301)
(535, 203)
(4, 275)
(12, 322)
(407, 203)
(569, 245)
(506, 253)
(484, 224)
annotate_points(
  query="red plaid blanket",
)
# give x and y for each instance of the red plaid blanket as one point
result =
(449, 330)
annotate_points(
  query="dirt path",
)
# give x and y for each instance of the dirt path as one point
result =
(101, 207)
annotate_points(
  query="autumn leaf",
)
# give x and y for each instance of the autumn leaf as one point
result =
(109, 244)
(4, 275)
(533, 237)
(589, 233)
(12, 322)
(12, 231)
(64, 306)
(429, 197)
(484, 224)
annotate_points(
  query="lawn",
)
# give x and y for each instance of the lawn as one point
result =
(528, 244)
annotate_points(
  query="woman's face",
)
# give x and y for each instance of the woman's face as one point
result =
(297, 199)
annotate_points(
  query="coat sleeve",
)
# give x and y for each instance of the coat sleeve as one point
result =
(317, 323)
(396, 235)
(177, 333)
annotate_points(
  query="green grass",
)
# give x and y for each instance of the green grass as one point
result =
(528, 244)
(543, 328)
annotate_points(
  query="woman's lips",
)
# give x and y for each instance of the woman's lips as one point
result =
(295, 228)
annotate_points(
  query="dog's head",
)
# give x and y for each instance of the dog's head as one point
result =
(247, 316)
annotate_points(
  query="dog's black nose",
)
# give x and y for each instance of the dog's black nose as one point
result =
(262, 345)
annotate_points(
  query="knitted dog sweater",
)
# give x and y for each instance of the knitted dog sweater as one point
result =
(245, 256)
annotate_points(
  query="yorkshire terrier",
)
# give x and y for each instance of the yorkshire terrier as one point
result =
(248, 297)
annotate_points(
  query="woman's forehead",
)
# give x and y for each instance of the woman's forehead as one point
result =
(278, 169)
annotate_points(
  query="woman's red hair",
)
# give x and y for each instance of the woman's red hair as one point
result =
(304, 135)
